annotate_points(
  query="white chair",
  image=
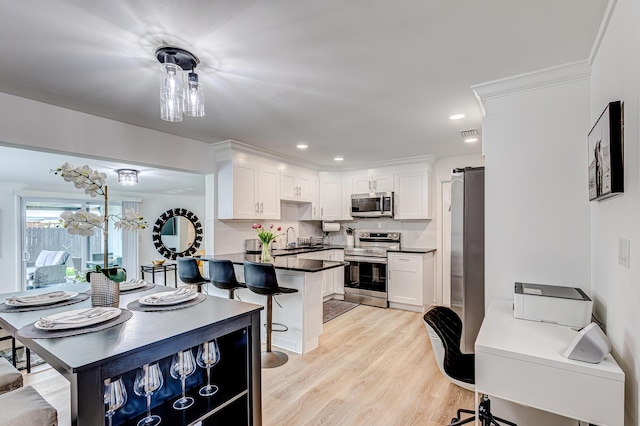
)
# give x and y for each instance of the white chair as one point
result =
(47, 258)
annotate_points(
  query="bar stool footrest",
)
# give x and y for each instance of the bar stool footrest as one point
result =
(282, 328)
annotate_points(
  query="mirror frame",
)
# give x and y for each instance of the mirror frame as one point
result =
(157, 234)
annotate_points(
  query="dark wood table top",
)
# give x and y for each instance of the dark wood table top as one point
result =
(143, 330)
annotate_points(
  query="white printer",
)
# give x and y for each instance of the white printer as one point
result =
(547, 303)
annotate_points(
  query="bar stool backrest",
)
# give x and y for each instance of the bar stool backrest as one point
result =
(261, 278)
(222, 274)
(188, 271)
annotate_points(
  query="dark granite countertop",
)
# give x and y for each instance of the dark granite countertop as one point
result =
(413, 250)
(289, 263)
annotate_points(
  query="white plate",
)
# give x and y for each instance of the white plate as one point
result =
(126, 286)
(151, 299)
(40, 299)
(108, 313)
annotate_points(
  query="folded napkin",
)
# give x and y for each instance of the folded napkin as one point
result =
(133, 281)
(181, 293)
(36, 297)
(74, 318)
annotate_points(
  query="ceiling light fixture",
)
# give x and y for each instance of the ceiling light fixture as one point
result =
(175, 96)
(338, 159)
(457, 116)
(302, 146)
(127, 177)
(471, 140)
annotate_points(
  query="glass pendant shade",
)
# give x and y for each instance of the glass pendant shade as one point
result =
(171, 92)
(127, 177)
(194, 97)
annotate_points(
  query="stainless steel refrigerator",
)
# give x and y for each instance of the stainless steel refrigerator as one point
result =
(467, 251)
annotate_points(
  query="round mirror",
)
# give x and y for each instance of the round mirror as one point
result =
(177, 233)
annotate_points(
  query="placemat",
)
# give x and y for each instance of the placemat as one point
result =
(137, 306)
(30, 331)
(149, 286)
(75, 299)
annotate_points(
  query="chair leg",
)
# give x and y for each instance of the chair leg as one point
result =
(14, 352)
(28, 355)
(271, 358)
(269, 321)
(232, 294)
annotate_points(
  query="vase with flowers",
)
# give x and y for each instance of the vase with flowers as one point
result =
(266, 236)
(105, 287)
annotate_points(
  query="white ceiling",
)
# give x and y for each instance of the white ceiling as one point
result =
(370, 80)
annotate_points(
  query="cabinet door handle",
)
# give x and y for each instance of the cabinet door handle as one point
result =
(375, 184)
(261, 207)
(257, 208)
(321, 211)
(314, 210)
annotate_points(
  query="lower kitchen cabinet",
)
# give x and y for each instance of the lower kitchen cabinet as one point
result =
(333, 279)
(411, 280)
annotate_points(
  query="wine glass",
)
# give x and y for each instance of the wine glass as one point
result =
(148, 380)
(208, 356)
(115, 396)
(182, 366)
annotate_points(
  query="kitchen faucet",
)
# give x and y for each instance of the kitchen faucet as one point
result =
(291, 245)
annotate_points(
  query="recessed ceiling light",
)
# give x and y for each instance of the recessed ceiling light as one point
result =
(338, 159)
(471, 140)
(456, 116)
(302, 146)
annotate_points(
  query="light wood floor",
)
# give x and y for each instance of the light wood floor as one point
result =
(373, 367)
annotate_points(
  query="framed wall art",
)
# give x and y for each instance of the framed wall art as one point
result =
(606, 153)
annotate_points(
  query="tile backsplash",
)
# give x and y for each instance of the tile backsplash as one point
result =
(229, 235)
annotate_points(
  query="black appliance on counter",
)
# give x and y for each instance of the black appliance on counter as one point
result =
(365, 278)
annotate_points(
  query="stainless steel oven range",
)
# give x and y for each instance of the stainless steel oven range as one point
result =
(365, 279)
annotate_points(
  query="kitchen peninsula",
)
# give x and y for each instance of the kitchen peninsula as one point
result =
(301, 312)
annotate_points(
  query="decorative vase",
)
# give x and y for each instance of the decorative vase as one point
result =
(104, 291)
(266, 252)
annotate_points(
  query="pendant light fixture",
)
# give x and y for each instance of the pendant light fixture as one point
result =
(175, 96)
(127, 177)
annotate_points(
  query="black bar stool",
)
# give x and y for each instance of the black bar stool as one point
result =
(189, 273)
(260, 278)
(223, 276)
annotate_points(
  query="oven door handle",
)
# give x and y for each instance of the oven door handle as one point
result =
(365, 259)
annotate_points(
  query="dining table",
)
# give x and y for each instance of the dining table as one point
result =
(90, 360)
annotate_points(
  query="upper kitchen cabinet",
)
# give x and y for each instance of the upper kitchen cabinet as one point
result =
(311, 211)
(248, 191)
(331, 197)
(295, 187)
(372, 183)
(412, 192)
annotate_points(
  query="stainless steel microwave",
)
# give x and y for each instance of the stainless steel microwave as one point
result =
(373, 204)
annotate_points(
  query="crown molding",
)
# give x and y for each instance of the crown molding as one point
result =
(548, 77)
(604, 24)
(224, 151)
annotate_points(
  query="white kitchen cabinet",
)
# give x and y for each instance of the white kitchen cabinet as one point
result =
(412, 195)
(311, 211)
(295, 187)
(248, 191)
(347, 190)
(332, 279)
(411, 280)
(372, 183)
(331, 197)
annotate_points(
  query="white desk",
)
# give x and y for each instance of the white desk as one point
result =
(521, 361)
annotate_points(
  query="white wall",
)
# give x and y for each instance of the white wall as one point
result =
(536, 200)
(33, 125)
(536, 206)
(616, 291)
